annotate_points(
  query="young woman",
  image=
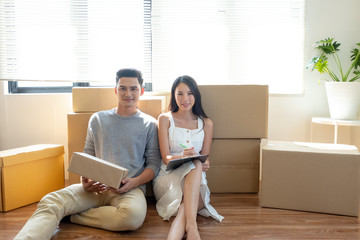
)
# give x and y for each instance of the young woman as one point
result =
(184, 131)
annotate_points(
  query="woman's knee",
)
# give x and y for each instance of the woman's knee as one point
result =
(198, 166)
(197, 163)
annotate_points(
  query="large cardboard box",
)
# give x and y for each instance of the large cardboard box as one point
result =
(234, 166)
(29, 173)
(77, 124)
(315, 177)
(238, 111)
(97, 169)
(94, 99)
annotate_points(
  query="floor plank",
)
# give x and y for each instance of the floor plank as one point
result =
(244, 219)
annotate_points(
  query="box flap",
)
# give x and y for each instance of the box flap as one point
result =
(29, 153)
(272, 145)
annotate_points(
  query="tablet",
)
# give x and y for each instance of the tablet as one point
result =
(175, 163)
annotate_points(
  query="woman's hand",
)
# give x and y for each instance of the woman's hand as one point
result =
(188, 152)
(206, 165)
(92, 186)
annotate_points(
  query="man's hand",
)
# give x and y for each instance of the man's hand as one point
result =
(126, 185)
(92, 186)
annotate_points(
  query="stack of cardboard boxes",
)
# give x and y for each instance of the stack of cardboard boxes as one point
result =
(240, 117)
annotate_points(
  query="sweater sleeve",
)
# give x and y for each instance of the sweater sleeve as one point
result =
(89, 147)
(152, 151)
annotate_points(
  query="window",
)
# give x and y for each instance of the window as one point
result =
(229, 42)
(49, 41)
(215, 41)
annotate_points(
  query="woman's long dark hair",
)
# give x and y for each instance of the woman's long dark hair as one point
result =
(197, 109)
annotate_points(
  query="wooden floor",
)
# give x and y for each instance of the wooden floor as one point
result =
(244, 219)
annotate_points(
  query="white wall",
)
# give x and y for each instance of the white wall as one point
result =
(290, 116)
(41, 118)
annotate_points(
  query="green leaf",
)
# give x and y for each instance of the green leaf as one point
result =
(313, 61)
(328, 46)
(355, 57)
(326, 40)
(321, 65)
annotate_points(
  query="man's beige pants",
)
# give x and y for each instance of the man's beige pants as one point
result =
(110, 211)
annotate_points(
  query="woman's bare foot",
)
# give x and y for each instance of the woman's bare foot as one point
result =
(193, 234)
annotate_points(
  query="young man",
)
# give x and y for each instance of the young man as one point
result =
(124, 136)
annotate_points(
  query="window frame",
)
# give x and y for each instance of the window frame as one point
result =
(13, 88)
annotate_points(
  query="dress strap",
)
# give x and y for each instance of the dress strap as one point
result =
(200, 123)
(172, 123)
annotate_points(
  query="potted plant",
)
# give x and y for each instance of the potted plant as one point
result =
(343, 87)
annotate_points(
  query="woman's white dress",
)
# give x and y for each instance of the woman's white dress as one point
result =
(168, 185)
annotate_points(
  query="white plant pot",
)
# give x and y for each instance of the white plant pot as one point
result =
(343, 99)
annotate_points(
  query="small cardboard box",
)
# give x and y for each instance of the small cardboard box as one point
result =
(167, 96)
(238, 111)
(29, 173)
(234, 166)
(152, 105)
(314, 177)
(97, 169)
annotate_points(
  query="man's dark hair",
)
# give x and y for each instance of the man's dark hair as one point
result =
(129, 72)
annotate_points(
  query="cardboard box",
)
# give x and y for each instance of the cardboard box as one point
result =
(234, 166)
(238, 111)
(152, 105)
(167, 96)
(97, 169)
(313, 177)
(77, 124)
(94, 99)
(29, 173)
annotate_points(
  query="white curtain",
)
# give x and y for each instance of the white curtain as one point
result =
(215, 41)
(229, 42)
(71, 40)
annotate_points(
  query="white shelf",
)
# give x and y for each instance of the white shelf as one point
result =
(336, 123)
